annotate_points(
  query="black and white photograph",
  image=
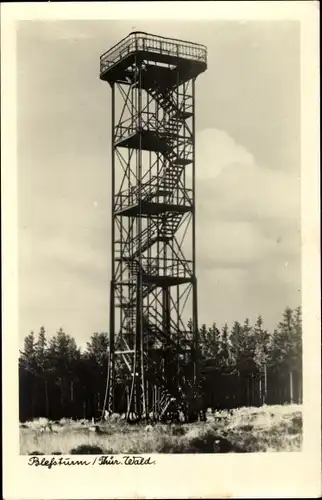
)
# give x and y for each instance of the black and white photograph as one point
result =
(159, 237)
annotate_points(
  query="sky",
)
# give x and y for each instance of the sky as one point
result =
(247, 171)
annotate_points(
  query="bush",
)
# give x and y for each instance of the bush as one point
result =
(86, 449)
(297, 423)
(246, 428)
(177, 431)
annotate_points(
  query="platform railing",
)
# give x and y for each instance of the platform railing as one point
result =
(127, 199)
(147, 123)
(152, 43)
(172, 269)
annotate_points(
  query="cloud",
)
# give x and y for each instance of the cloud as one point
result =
(248, 231)
(215, 151)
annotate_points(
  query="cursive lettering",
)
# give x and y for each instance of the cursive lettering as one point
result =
(45, 462)
(100, 460)
(108, 460)
(137, 460)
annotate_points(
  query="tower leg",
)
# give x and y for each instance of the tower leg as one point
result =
(166, 331)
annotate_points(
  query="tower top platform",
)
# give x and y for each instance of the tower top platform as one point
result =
(178, 57)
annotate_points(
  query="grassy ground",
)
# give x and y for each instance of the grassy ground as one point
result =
(266, 429)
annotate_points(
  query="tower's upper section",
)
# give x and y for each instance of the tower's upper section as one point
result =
(182, 60)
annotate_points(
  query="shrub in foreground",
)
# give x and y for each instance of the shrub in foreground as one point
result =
(86, 449)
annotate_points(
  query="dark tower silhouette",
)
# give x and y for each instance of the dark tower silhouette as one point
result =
(153, 347)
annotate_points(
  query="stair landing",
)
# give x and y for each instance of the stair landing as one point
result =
(151, 208)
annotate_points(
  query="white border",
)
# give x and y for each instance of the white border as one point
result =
(174, 476)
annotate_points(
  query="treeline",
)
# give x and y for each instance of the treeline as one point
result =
(248, 365)
(244, 365)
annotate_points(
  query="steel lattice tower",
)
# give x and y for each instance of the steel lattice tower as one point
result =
(153, 348)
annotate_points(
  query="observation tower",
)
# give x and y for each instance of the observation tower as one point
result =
(153, 332)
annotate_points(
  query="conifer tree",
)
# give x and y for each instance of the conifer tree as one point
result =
(42, 362)
(96, 355)
(262, 346)
(235, 340)
(224, 350)
(203, 341)
(64, 355)
(28, 355)
(28, 368)
(213, 342)
(248, 348)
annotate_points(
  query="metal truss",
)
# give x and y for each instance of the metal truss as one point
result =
(152, 349)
